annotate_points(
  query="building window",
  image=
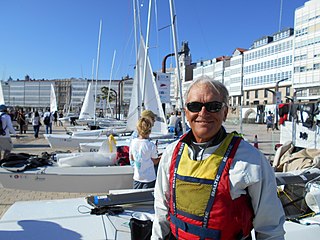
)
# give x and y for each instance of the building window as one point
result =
(256, 93)
(265, 93)
(248, 94)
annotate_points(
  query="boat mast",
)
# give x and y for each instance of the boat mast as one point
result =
(135, 14)
(176, 56)
(97, 70)
(92, 71)
(146, 55)
(109, 89)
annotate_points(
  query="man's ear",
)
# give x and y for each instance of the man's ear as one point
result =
(225, 114)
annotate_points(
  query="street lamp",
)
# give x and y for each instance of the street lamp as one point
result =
(278, 100)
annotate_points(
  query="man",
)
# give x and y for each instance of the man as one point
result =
(211, 184)
(47, 120)
(5, 140)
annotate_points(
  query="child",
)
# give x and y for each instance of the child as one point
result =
(143, 156)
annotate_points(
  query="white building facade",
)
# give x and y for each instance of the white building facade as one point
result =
(306, 77)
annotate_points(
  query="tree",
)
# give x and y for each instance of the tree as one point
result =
(104, 94)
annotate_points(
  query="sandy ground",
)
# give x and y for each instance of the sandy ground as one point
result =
(28, 144)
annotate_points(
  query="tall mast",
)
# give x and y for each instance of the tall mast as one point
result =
(97, 71)
(178, 78)
(137, 75)
(92, 71)
(109, 89)
(146, 54)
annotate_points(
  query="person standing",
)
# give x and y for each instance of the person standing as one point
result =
(7, 128)
(21, 120)
(60, 118)
(270, 121)
(47, 120)
(172, 123)
(36, 124)
(212, 184)
(143, 156)
(178, 127)
(55, 118)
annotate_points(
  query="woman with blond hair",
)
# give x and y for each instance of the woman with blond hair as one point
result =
(143, 156)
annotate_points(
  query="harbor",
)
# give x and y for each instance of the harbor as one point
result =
(26, 143)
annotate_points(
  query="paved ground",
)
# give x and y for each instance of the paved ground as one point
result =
(28, 144)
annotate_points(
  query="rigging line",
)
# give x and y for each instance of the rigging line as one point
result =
(160, 29)
(207, 46)
(126, 45)
(123, 53)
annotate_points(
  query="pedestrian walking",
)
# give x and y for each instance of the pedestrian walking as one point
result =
(36, 124)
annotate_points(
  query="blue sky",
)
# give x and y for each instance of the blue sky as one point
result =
(59, 39)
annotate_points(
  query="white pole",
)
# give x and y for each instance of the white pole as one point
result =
(137, 75)
(178, 78)
(114, 55)
(146, 54)
(97, 71)
(92, 71)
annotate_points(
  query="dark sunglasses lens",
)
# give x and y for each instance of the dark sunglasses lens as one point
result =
(213, 106)
(194, 106)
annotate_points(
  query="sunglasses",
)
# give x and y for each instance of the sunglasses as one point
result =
(212, 107)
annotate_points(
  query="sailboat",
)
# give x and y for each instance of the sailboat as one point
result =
(152, 102)
(73, 172)
(150, 93)
(94, 178)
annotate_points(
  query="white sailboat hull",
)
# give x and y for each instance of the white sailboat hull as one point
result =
(67, 141)
(69, 179)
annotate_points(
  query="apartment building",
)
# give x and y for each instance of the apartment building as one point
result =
(283, 66)
(70, 93)
(306, 75)
(267, 69)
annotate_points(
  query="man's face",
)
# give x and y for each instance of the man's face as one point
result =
(205, 124)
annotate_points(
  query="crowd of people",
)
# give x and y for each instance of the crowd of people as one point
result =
(21, 120)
